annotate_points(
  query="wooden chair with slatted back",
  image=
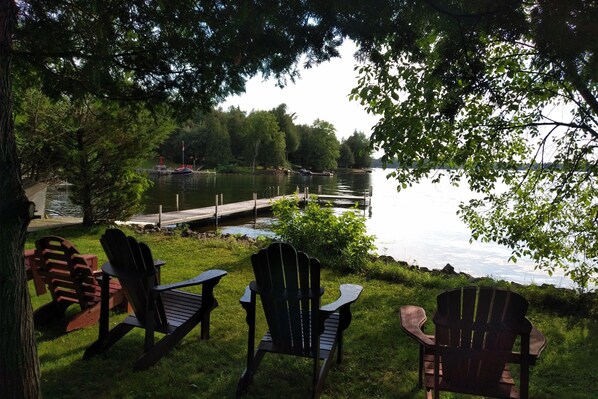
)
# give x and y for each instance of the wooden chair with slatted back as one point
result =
(476, 332)
(156, 308)
(288, 283)
(71, 279)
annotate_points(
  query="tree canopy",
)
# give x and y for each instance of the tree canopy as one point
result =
(499, 93)
(319, 149)
(361, 150)
(93, 144)
(188, 53)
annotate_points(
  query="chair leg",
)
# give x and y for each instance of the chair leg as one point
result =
(91, 315)
(154, 352)
(339, 356)
(326, 364)
(104, 343)
(420, 377)
(205, 325)
(247, 376)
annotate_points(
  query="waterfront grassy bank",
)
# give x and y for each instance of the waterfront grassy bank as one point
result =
(380, 360)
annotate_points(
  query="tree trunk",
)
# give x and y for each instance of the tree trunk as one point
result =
(19, 366)
(86, 194)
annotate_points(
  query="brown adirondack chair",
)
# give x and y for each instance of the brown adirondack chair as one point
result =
(476, 332)
(156, 308)
(71, 279)
(32, 274)
(288, 283)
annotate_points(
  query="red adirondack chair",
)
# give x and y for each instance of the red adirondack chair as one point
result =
(476, 332)
(71, 279)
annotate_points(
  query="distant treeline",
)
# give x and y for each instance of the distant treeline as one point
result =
(271, 139)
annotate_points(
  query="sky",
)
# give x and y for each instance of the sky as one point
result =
(322, 92)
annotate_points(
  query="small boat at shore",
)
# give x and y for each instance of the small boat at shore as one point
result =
(161, 170)
(306, 172)
(183, 170)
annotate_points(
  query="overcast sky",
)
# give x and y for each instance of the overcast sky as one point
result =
(321, 92)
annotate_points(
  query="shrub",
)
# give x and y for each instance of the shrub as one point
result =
(339, 242)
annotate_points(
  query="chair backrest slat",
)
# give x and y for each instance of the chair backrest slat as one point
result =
(290, 266)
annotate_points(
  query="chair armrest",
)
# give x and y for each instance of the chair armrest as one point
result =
(246, 298)
(210, 276)
(349, 294)
(412, 321)
(537, 342)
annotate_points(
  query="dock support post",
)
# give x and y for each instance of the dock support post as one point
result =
(159, 215)
(221, 198)
(255, 205)
(177, 202)
(216, 212)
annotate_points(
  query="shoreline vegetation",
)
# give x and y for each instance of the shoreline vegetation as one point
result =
(148, 167)
(387, 268)
(210, 369)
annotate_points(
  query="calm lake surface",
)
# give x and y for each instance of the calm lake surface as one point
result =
(418, 225)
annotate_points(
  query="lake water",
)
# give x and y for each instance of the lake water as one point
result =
(418, 225)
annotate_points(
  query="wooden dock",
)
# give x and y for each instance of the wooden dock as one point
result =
(213, 213)
(207, 213)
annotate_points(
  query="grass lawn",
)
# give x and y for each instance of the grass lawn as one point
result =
(380, 360)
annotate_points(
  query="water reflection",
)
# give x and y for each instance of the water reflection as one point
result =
(418, 225)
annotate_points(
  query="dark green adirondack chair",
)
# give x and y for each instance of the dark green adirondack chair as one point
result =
(476, 330)
(156, 308)
(288, 283)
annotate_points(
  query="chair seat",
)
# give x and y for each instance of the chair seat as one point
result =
(179, 306)
(327, 341)
(506, 387)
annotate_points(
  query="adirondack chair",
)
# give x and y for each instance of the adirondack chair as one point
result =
(288, 283)
(32, 274)
(476, 330)
(156, 308)
(71, 279)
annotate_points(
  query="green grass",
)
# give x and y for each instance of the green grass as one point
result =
(380, 360)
